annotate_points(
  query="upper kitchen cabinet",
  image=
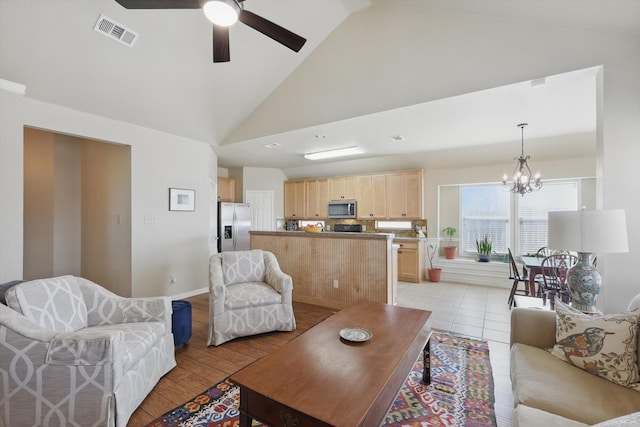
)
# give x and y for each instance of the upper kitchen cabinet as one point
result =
(294, 199)
(226, 189)
(371, 195)
(404, 195)
(317, 198)
(342, 187)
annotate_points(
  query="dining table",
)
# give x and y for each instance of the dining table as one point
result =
(534, 265)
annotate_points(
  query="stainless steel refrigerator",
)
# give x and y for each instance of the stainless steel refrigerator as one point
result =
(234, 222)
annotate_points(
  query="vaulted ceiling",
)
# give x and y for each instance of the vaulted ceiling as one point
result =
(331, 93)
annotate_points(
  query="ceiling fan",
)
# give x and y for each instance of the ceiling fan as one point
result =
(223, 14)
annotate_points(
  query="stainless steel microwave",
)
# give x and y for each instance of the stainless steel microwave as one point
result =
(342, 209)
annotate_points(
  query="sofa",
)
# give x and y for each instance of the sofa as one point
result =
(74, 354)
(548, 391)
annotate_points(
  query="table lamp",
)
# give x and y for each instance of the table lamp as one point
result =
(587, 232)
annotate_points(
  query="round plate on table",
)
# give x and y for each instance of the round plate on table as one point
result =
(356, 334)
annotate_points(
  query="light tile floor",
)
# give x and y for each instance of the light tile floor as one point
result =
(477, 311)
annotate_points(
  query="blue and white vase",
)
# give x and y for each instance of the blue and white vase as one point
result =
(585, 283)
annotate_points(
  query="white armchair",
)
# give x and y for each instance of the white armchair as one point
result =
(248, 295)
(73, 353)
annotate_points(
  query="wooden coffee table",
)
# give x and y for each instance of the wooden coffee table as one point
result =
(320, 379)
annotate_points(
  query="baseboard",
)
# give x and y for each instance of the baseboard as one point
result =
(190, 293)
(468, 271)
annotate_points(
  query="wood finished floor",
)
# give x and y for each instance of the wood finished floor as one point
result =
(454, 307)
(200, 367)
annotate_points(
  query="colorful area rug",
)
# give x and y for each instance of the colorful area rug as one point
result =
(460, 393)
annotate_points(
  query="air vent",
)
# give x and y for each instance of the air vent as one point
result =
(113, 30)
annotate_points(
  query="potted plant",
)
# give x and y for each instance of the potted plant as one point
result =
(449, 249)
(434, 273)
(484, 249)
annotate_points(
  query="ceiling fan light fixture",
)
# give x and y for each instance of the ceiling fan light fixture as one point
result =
(222, 12)
(349, 151)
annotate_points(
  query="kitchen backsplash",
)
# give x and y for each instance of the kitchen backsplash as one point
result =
(370, 226)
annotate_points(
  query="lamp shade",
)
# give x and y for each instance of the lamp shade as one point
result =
(595, 231)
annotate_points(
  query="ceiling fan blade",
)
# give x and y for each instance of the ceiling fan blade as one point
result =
(221, 44)
(160, 4)
(275, 31)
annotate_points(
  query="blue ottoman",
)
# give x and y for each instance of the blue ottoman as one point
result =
(181, 322)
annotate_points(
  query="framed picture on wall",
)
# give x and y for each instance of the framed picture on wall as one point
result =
(181, 199)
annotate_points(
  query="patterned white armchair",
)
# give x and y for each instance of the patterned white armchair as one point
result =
(248, 295)
(74, 354)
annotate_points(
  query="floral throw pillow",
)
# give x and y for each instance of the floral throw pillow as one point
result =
(605, 346)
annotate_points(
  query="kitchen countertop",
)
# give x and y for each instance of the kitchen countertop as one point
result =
(363, 235)
(410, 239)
(327, 234)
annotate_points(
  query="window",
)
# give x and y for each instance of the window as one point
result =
(394, 225)
(533, 209)
(489, 210)
(485, 211)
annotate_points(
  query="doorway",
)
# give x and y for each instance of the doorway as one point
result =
(77, 209)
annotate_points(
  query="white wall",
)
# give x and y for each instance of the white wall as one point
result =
(39, 177)
(67, 206)
(106, 215)
(177, 241)
(11, 181)
(620, 142)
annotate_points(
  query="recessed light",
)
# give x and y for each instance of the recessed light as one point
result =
(397, 138)
(272, 145)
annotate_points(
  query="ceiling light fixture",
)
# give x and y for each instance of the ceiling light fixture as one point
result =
(272, 145)
(523, 181)
(222, 12)
(397, 138)
(349, 151)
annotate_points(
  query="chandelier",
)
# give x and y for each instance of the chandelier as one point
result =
(523, 181)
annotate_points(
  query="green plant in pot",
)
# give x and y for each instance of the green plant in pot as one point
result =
(449, 249)
(434, 273)
(484, 249)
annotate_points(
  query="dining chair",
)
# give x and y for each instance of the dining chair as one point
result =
(517, 278)
(554, 277)
(544, 252)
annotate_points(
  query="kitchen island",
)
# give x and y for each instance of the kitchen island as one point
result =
(334, 269)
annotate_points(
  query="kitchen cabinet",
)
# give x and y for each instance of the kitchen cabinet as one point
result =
(404, 195)
(294, 199)
(371, 195)
(226, 189)
(390, 195)
(410, 260)
(342, 187)
(317, 199)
